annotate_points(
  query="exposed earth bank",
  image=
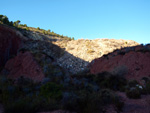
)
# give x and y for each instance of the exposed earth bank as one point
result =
(133, 63)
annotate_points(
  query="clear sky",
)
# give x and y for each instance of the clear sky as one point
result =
(88, 19)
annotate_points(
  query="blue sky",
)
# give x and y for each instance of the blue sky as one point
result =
(88, 19)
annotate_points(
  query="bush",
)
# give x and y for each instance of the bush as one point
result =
(4, 19)
(109, 97)
(88, 102)
(90, 51)
(114, 82)
(51, 90)
(133, 93)
(38, 28)
(134, 90)
(27, 28)
(27, 97)
(147, 88)
(120, 71)
(132, 83)
(25, 25)
(93, 102)
(49, 30)
(20, 106)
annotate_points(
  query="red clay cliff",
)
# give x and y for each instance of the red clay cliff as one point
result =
(10, 41)
(136, 60)
(24, 65)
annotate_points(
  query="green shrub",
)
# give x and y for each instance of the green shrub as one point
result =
(27, 97)
(133, 93)
(38, 28)
(132, 83)
(134, 90)
(108, 80)
(25, 25)
(109, 97)
(147, 88)
(20, 106)
(4, 19)
(51, 90)
(49, 30)
(27, 28)
(93, 102)
(90, 51)
(106, 96)
(88, 102)
(26, 104)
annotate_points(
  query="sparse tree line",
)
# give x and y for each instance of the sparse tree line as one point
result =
(4, 20)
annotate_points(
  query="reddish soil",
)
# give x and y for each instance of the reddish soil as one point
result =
(134, 64)
(10, 42)
(136, 105)
(24, 65)
(137, 64)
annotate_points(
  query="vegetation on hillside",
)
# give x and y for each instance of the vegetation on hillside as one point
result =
(82, 93)
(24, 96)
(17, 24)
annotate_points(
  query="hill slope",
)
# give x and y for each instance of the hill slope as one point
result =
(88, 50)
(38, 73)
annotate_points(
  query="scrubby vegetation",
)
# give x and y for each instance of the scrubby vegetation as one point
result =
(17, 24)
(5, 20)
(25, 96)
(82, 93)
(134, 89)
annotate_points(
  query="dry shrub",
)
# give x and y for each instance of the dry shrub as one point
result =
(120, 70)
(90, 51)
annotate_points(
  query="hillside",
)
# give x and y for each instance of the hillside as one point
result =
(31, 32)
(88, 50)
(42, 72)
(91, 49)
(133, 64)
(77, 54)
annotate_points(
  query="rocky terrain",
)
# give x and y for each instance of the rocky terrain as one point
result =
(48, 74)
(91, 49)
(87, 50)
(73, 56)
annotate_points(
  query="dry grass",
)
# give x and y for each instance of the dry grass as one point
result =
(90, 51)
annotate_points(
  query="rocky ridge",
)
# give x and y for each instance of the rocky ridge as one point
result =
(33, 34)
(84, 51)
(91, 49)
(74, 55)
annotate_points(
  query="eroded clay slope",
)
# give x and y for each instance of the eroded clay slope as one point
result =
(134, 62)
